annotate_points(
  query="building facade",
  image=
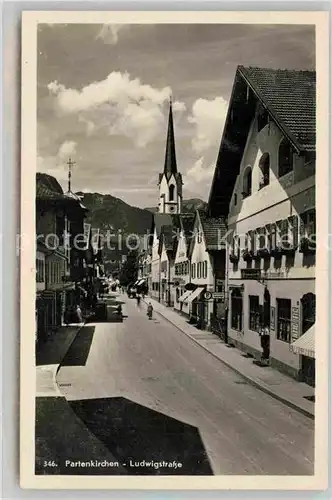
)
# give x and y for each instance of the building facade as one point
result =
(271, 215)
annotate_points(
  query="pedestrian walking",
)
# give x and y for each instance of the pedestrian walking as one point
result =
(138, 299)
(79, 314)
(150, 310)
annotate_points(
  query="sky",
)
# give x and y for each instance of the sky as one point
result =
(103, 98)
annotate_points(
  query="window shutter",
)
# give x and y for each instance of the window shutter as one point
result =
(302, 221)
(295, 229)
(273, 237)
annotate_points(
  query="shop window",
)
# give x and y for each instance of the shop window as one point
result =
(284, 319)
(264, 166)
(171, 192)
(308, 303)
(236, 309)
(247, 176)
(285, 158)
(254, 313)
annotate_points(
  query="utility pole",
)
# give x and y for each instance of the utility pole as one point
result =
(70, 164)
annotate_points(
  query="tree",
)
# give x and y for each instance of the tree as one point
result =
(129, 270)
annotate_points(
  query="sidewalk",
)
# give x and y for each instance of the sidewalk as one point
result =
(49, 356)
(267, 379)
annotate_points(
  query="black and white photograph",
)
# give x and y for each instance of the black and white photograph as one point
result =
(175, 253)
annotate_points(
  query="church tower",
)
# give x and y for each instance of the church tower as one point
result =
(170, 181)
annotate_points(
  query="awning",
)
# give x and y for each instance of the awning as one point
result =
(305, 344)
(140, 283)
(184, 296)
(195, 294)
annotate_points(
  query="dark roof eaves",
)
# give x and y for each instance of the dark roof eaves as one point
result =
(299, 147)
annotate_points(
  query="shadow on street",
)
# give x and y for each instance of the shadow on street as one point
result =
(78, 352)
(132, 433)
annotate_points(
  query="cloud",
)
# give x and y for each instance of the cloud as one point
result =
(208, 117)
(179, 106)
(66, 149)
(109, 33)
(89, 125)
(131, 108)
(199, 172)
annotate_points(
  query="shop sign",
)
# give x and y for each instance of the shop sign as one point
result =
(207, 295)
(218, 295)
(250, 274)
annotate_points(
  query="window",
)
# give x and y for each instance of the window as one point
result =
(264, 165)
(284, 319)
(247, 183)
(237, 307)
(171, 192)
(308, 303)
(285, 158)
(235, 199)
(271, 236)
(205, 269)
(193, 270)
(199, 237)
(199, 270)
(309, 223)
(254, 313)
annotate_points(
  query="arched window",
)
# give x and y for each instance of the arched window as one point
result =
(171, 192)
(236, 309)
(247, 183)
(264, 165)
(308, 303)
(285, 158)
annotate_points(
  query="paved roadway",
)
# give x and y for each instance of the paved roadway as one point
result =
(151, 363)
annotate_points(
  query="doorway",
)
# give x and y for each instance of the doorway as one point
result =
(265, 337)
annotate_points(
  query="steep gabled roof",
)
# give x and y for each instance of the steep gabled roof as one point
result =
(214, 229)
(187, 225)
(289, 98)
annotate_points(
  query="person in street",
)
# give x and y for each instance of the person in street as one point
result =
(79, 314)
(138, 299)
(150, 310)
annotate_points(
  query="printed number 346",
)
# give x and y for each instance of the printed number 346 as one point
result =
(50, 463)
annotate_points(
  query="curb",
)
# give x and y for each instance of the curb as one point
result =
(69, 346)
(253, 382)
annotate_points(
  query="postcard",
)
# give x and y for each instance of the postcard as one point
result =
(174, 250)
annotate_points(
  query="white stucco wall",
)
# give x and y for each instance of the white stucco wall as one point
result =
(181, 257)
(290, 195)
(155, 265)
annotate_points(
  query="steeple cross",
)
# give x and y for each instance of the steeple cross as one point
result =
(70, 164)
